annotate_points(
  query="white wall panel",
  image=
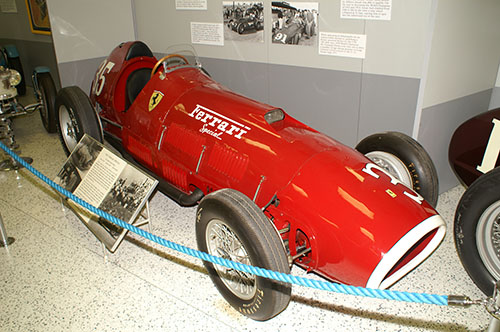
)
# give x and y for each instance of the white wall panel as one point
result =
(465, 50)
(159, 24)
(85, 29)
(397, 47)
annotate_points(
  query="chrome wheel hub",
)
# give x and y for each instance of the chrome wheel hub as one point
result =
(392, 165)
(69, 127)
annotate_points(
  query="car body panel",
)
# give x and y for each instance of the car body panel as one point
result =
(326, 198)
(474, 146)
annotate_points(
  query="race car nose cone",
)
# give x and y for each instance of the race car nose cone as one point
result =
(373, 230)
(411, 250)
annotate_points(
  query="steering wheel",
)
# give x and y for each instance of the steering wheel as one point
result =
(166, 57)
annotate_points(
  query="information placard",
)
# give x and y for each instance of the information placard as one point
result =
(342, 44)
(366, 9)
(207, 33)
(8, 6)
(191, 4)
(106, 181)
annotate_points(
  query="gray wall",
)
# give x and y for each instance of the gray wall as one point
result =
(345, 105)
(461, 74)
(433, 65)
(34, 49)
(438, 124)
(495, 98)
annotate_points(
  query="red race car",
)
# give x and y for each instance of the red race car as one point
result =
(473, 155)
(271, 191)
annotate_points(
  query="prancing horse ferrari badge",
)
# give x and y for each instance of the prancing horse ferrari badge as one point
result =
(155, 99)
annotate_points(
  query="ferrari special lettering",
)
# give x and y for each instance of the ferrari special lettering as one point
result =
(216, 124)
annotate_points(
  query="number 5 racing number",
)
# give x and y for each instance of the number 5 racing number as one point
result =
(100, 76)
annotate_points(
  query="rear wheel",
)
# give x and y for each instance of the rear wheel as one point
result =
(477, 230)
(48, 99)
(75, 117)
(231, 226)
(405, 159)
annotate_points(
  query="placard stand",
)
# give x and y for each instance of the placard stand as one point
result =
(106, 181)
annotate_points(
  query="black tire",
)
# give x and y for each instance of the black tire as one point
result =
(477, 228)
(241, 28)
(75, 117)
(15, 63)
(415, 168)
(242, 221)
(48, 100)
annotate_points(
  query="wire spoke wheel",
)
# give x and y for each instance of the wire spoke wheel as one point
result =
(488, 239)
(229, 225)
(477, 230)
(223, 242)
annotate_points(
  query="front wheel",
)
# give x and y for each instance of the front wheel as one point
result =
(405, 159)
(241, 28)
(75, 117)
(47, 99)
(477, 230)
(231, 226)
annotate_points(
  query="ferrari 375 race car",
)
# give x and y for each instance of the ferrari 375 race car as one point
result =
(473, 156)
(271, 191)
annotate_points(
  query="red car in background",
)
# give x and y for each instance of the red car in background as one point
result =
(271, 191)
(473, 156)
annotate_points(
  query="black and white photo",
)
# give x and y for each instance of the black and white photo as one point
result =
(243, 21)
(127, 193)
(295, 23)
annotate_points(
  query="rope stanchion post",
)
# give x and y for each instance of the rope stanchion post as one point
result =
(5, 241)
(494, 309)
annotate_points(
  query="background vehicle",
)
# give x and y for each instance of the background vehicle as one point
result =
(43, 86)
(290, 24)
(473, 155)
(270, 190)
(9, 58)
(252, 19)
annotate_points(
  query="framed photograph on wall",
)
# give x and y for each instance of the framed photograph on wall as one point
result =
(38, 15)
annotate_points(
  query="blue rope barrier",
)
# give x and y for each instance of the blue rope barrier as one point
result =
(278, 276)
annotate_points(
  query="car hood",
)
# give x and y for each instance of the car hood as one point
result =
(373, 229)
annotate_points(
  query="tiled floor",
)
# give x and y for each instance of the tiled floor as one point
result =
(54, 276)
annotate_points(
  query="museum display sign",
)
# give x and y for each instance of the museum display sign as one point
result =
(101, 178)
